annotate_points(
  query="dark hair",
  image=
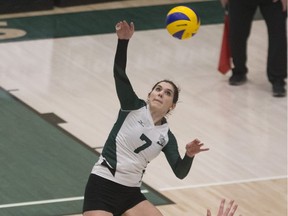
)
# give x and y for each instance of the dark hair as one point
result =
(176, 89)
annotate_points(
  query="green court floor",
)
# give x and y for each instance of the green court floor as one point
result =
(44, 169)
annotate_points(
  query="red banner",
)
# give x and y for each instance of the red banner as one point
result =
(224, 64)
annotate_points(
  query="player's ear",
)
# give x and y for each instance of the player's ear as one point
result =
(148, 96)
(173, 106)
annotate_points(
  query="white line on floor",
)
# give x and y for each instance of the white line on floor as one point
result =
(47, 201)
(224, 183)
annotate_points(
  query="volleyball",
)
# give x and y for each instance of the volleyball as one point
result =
(182, 22)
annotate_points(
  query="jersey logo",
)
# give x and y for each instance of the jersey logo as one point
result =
(141, 123)
(161, 140)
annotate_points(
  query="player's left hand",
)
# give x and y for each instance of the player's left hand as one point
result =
(194, 148)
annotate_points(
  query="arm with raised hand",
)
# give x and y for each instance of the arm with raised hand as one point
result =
(229, 211)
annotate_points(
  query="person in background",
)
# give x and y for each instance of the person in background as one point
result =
(229, 211)
(274, 12)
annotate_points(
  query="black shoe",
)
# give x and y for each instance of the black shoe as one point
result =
(237, 79)
(279, 90)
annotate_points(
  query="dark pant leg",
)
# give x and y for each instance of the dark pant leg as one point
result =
(275, 20)
(241, 13)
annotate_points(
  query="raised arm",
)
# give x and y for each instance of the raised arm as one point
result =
(127, 97)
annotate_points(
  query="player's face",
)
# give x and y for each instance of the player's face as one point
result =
(161, 97)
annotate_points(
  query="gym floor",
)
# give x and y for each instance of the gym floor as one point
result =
(58, 103)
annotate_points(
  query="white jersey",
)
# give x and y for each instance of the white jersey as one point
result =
(138, 141)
